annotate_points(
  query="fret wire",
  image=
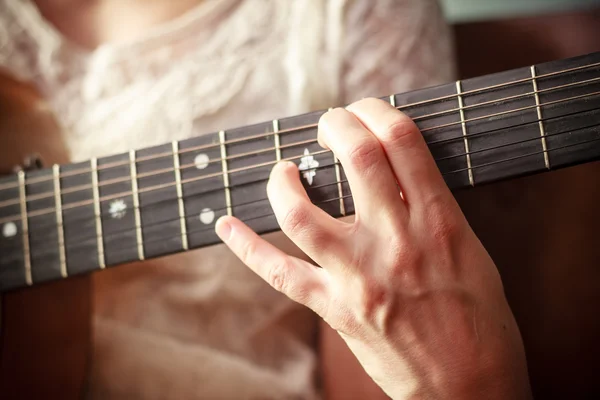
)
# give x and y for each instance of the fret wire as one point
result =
(393, 100)
(195, 231)
(180, 205)
(529, 154)
(97, 213)
(503, 99)
(158, 172)
(136, 204)
(451, 172)
(84, 239)
(161, 186)
(200, 231)
(513, 111)
(507, 84)
(539, 115)
(444, 174)
(59, 221)
(503, 85)
(277, 139)
(338, 177)
(108, 198)
(25, 229)
(337, 163)
(464, 132)
(225, 169)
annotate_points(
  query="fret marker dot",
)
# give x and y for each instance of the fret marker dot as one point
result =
(9, 229)
(117, 209)
(207, 216)
(201, 161)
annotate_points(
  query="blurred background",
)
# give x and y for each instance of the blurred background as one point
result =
(496, 35)
(525, 223)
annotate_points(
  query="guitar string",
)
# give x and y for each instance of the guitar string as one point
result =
(120, 232)
(200, 231)
(150, 206)
(337, 198)
(49, 194)
(246, 220)
(73, 205)
(296, 129)
(293, 130)
(86, 240)
(183, 167)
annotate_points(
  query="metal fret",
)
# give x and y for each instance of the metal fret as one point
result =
(97, 213)
(176, 165)
(136, 205)
(225, 170)
(464, 131)
(338, 173)
(338, 177)
(539, 115)
(25, 229)
(393, 100)
(59, 220)
(277, 141)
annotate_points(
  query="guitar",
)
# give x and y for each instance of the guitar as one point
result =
(73, 219)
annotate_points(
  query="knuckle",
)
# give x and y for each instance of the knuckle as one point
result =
(402, 132)
(247, 251)
(366, 154)
(279, 277)
(405, 262)
(442, 221)
(296, 220)
(377, 302)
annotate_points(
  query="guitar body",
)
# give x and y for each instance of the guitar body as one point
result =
(44, 330)
(542, 232)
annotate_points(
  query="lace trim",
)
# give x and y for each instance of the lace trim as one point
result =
(110, 87)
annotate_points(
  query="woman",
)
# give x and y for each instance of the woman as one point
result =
(132, 74)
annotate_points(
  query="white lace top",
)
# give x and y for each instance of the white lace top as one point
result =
(200, 325)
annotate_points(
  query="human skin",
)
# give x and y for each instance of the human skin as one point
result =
(407, 284)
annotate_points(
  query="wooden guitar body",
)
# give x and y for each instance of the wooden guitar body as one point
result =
(44, 330)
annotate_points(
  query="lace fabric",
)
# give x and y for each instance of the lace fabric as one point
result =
(201, 325)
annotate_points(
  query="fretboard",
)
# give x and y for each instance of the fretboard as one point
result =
(79, 218)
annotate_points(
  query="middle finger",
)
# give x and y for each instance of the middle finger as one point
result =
(374, 187)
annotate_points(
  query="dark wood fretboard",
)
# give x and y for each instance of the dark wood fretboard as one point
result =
(78, 218)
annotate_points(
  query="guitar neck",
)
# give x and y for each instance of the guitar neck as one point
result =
(83, 217)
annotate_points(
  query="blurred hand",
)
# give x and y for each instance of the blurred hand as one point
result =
(407, 285)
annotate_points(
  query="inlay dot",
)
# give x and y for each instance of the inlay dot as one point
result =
(207, 216)
(201, 161)
(9, 229)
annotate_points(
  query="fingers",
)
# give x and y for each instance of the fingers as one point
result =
(297, 279)
(315, 232)
(409, 156)
(374, 186)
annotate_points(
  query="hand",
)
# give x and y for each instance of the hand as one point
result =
(407, 285)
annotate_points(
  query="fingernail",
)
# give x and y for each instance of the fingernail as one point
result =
(223, 229)
(282, 166)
